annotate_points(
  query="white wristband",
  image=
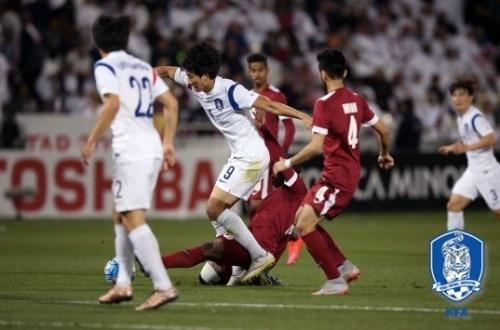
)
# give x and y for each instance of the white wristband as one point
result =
(288, 163)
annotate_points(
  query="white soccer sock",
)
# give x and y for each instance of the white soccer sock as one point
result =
(455, 220)
(147, 250)
(124, 255)
(219, 228)
(237, 228)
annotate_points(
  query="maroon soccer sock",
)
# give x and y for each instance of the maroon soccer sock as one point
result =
(184, 259)
(320, 250)
(337, 254)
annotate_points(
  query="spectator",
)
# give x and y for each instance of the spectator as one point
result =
(11, 134)
(410, 128)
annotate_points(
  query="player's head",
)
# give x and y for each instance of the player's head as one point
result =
(202, 64)
(462, 94)
(111, 32)
(332, 65)
(257, 68)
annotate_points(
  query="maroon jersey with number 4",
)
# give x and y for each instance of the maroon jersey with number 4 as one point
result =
(339, 116)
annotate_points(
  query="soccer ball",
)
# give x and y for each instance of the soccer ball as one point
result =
(111, 271)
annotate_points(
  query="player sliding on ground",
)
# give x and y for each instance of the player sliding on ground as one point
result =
(128, 88)
(271, 225)
(224, 102)
(336, 122)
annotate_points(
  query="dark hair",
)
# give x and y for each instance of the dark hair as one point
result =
(468, 85)
(202, 58)
(333, 62)
(111, 32)
(257, 57)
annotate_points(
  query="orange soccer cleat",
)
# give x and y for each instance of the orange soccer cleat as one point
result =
(294, 249)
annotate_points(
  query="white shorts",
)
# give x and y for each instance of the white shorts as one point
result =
(134, 183)
(472, 184)
(238, 177)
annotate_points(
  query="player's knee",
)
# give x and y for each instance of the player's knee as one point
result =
(303, 228)
(453, 206)
(497, 214)
(213, 209)
(213, 250)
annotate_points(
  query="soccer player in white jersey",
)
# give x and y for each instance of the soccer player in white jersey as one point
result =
(477, 137)
(128, 87)
(225, 103)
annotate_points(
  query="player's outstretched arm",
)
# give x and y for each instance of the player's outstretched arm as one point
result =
(109, 111)
(459, 147)
(455, 148)
(170, 117)
(165, 71)
(281, 109)
(385, 160)
(313, 148)
(486, 141)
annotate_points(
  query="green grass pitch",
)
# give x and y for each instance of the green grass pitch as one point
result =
(51, 275)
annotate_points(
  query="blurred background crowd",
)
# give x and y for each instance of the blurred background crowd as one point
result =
(403, 54)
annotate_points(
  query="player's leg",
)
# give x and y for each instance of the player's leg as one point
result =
(147, 250)
(455, 206)
(187, 258)
(132, 198)
(124, 252)
(320, 250)
(489, 188)
(218, 209)
(337, 254)
(347, 269)
(463, 192)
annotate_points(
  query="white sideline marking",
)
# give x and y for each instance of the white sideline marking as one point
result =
(285, 306)
(94, 325)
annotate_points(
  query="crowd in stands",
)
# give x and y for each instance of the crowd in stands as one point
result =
(403, 54)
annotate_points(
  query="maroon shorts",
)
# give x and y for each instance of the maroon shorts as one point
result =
(326, 200)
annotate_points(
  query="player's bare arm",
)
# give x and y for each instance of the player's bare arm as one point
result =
(313, 148)
(281, 109)
(459, 147)
(385, 160)
(454, 148)
(485, 142)
(170, 116)
(109, 111)
(166, 71)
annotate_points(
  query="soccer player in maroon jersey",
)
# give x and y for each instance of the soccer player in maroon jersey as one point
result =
(337, 118)
(259, 71)
(270, 224)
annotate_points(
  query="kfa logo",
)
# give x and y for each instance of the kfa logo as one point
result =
(457, 263)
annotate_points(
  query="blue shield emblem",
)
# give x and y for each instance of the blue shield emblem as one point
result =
(457, 264)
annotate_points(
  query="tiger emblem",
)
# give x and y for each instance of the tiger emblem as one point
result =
(457, 261)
